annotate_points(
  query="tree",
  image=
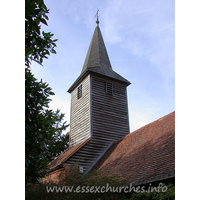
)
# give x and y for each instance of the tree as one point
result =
(37, 45)
(43, 127)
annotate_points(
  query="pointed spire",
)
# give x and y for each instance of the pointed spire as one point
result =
(97, 60)
(97, 55)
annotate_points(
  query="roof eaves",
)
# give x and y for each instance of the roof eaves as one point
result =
(102, 160)
(78, 80)
(59, 164)
(109, 73)
(95, 70)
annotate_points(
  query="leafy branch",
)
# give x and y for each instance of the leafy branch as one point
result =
(37, 45)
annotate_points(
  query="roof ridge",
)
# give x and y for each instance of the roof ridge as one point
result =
(146, 156)
(159, 119)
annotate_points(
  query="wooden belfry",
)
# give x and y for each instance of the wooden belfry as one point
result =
(99, 108)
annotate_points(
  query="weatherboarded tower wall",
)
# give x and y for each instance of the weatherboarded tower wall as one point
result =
(101, 112)
(109, 109)
(80, 113)
(99, 109)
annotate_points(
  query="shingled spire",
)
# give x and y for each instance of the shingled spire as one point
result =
(99, 109)
(97, 55)
(97, 60)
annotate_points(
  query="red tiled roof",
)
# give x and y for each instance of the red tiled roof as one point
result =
(60, 159)
(145, 155)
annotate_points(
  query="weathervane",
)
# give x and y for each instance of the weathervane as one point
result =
(97, 16)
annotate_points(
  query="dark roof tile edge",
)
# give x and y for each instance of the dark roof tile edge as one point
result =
(118, 141)
(57, 166)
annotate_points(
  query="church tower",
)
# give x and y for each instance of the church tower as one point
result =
(99, 109)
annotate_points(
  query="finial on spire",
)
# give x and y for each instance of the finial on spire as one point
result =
(97, 14)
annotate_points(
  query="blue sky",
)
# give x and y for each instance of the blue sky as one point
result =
(140, 40)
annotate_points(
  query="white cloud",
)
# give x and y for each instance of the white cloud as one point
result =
(139, 118)
(140, 32)
(62, 103)
(140, 27)
(145, 30)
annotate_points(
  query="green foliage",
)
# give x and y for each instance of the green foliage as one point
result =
(76, 179)
(58, 142)
(43, 128)
(38, 192)
(37, 45)
(94, 179)
(155, 195)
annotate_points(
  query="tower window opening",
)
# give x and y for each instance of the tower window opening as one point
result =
(79, 92)
(109, 88)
